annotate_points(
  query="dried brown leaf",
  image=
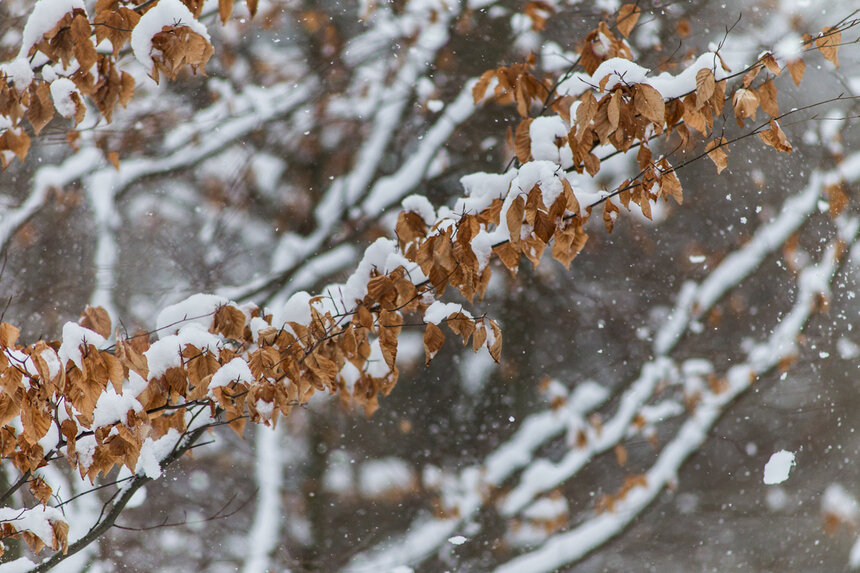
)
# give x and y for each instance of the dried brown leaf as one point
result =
(480, 87)
(767, 97)
(225, 9)
(585, 112)
(796, 68)
(8, 335)
(514, 219)
(522, 140)
(627, 17)
(745, 103)
(649, 102)
(716, 150)
(776, 138)
(494, 341)
(41, 109)
(509, 256)
(828, 44)
(705, 83)
(96, 319)
(433, 340)
(770, 63)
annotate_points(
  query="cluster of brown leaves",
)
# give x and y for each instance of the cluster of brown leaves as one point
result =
(632, 114)
(72, 43)
(514, 84)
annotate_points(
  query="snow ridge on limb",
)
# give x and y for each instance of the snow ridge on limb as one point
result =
(571, 546)
(428, 534)
(245, 362)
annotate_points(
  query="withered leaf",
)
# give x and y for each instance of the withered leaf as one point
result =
(767, 98)
(627, 17)
(671, 186)
(480, 87)
(514, 218)
(522, 141)
(509, 256)
(716, 150)
(116, 25)
(704, 86)
(649, 102)
(613, 110)
(494, 341)
(572, 204)
(776, 138)
(8, 334)
(229, 322)
(796, 68)
(751, 75)
(225, 9)
(41, 490)
(389, 329)
(96, 319)
(770, 64)
(567, 243)
(41, 109)
(178, 46)
(745, 102)
(15, 140)
(433, 340)
(585, 112)
(610, 213)
(592, 164)
(828, 44)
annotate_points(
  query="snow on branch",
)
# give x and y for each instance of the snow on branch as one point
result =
(570, 546)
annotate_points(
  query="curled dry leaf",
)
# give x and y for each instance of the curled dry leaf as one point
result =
(115, 25)
(796, 68)
(41, 109)
(178, 46)
(828, 44)
(225, 9)
(745, 103)
(15, 140)
(771, 64)
(767, 98)
(628, 15)
(522, 140)
(585, 113)
(649, 102)
(716, 151)
(494, 342)
(480, 87)
(705, 84)
(8, 334)
(96, 319)
(433, 340)
(776, 138)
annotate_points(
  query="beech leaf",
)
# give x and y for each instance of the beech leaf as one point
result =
(628, 15)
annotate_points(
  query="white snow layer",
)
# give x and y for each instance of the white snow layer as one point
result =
(236, 370)
(198, 308)
(75, 335)
(61, 92)
(43, 18)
